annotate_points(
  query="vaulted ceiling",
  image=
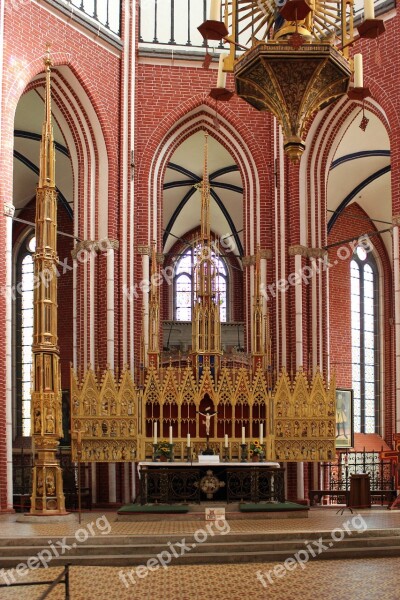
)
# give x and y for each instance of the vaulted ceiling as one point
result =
(27, 134)
(360, 172)
(182, 199)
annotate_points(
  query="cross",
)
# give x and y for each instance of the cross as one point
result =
(394, 457)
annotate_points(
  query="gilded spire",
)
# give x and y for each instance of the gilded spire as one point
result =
(46, 404)
(205, 196)
(47, 153)
(206, 326)
(154, 312)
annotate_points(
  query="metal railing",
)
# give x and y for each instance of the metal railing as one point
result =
(22, 480)
(336, 475)
(63, 578)
(172, 22)
(101, 16)
(175, 22)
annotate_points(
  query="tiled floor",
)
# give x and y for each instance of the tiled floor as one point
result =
(366, 579)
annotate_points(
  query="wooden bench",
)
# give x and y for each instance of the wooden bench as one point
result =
(313, 494)
(388, 495)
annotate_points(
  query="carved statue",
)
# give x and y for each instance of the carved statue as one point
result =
(38, 422)
(39, 486)
(50, 484)
(50, 426)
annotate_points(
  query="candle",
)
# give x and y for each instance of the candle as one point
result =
(155, 433)
(369, 9)
(243, 435)
(358, 71)
(188, 440)
(215, 10)
(170, 434)
(261, 433)
(226, 440)
(221, 79)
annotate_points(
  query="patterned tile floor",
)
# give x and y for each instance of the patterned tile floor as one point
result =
(358, 579)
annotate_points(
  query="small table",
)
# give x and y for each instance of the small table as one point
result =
(360, 492)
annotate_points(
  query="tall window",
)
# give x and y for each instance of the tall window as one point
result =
(24, 334)
(364, 341)
(184, 285)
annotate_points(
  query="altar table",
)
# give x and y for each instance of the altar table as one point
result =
(174, 482)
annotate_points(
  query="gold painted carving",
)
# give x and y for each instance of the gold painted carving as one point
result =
(299, 415)
(105, 413)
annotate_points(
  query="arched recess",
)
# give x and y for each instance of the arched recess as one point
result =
(198, 119)
(349, 194)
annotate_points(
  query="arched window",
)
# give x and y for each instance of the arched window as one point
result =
(24, 334)
(364, 341)
(184, 288)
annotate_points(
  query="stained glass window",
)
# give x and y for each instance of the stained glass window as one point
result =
(24, 334)
(184, 284)
(364, 341)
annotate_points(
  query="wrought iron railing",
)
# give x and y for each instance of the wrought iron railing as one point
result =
(175, 22)
(96, 14)
(22, 480)
(62, 578)
(336, 475)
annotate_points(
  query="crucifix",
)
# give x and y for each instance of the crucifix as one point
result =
(207, 414)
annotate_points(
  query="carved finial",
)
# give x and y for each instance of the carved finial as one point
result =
(47, 153)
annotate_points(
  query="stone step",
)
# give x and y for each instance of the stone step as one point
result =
(223, 544)
(262, 556)
(237, 537)
(121, 551)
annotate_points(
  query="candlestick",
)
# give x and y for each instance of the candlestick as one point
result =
(155, 433)
(261, 433)
(215, 10)
(358, 71)
(221, 79)
(188, 440)
(170, 434)
(243, 435)
(226, 441)
(243, 453)
(369, 9)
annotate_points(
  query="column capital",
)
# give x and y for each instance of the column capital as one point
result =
(160, 258)
(144, 250)
(299, 250)
(396, 220)
(249, 260)
(97, 246)
(9, 209)
(266, 253)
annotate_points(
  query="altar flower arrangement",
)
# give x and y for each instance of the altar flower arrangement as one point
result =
(255, 448)
(162, 450)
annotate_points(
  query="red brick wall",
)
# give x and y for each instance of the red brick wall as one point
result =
(348, 225)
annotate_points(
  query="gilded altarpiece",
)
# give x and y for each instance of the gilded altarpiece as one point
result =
(116, 416)
(105, 413)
